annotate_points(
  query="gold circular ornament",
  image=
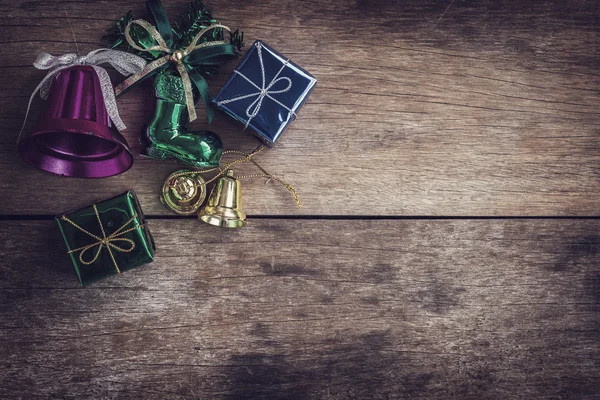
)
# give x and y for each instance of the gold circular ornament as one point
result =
(185, 194)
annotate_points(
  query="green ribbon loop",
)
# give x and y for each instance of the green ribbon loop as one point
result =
(156, 9)
(213, 55)
(202, 87)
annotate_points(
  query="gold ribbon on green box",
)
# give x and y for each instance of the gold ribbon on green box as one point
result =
(105, 241)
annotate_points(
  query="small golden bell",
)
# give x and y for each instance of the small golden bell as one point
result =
(183, 194)
(224, 204)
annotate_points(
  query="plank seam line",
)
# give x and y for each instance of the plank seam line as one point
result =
(44, 217)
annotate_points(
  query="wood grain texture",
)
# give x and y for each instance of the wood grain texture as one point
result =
(454, 108)
(422, 108)
(297, 309)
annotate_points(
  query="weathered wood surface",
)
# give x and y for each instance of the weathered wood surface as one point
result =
(310, 310)
(422, 108)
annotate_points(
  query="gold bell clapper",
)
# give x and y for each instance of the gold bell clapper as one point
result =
(183, 192)
(224, 206)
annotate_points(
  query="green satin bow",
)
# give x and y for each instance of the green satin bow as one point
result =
(185, 59)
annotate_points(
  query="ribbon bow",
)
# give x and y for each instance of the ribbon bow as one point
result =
(185, 59)
(125, 63)
(264, 90)
(108, 241)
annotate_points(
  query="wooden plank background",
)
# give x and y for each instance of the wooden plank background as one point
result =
(448, 309)
(447, 248)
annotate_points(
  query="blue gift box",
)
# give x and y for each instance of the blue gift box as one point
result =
(265, 92)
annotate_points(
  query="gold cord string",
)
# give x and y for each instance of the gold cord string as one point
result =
(269, 176)
(222, 170)
(107, 241)
(247, 157)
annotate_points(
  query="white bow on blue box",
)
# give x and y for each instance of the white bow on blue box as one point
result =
(265, 92)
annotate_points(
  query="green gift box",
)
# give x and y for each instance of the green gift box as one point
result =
(107, 238)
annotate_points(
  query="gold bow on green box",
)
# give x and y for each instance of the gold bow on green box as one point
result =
(107, 238)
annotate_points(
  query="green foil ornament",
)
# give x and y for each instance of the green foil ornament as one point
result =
(180, 59)
(167, 135)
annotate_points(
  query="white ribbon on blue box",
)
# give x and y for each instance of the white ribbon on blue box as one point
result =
(265, 92)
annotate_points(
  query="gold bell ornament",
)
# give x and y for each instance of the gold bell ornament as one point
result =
(184, 192)
(224, 206)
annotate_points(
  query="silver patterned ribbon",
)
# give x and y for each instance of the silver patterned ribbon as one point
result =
(264, 91)
(125, 63)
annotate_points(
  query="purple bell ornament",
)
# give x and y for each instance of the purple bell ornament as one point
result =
(78, 134)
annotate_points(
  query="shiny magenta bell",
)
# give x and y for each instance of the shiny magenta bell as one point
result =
(75, 136)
